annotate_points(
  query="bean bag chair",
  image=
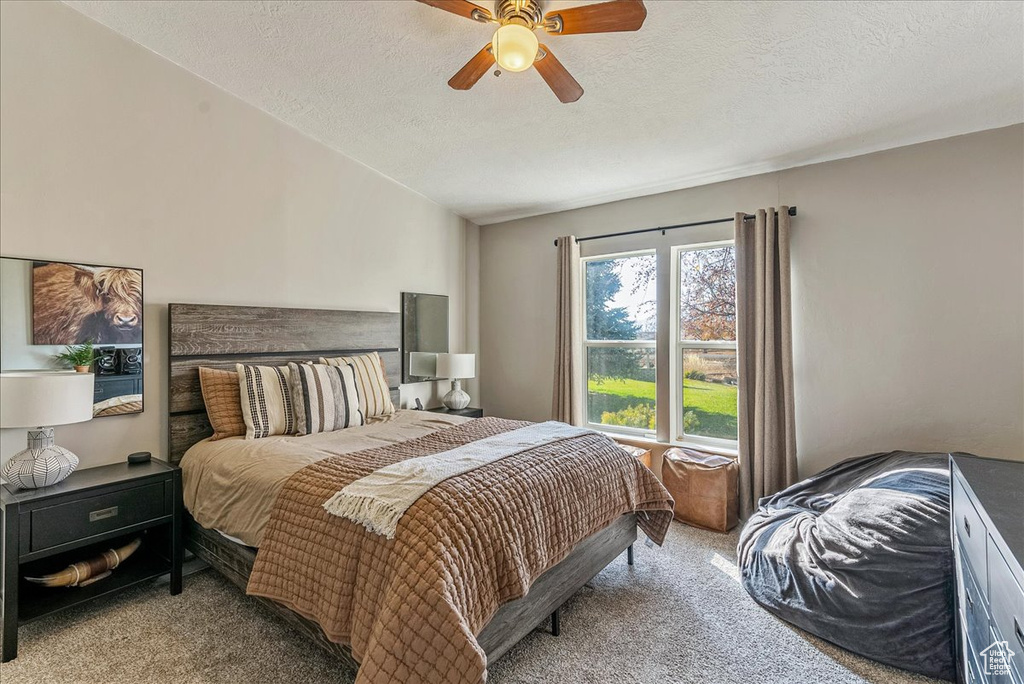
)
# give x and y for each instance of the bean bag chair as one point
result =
(860, 555)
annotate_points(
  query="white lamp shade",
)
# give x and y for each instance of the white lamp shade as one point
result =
(45, 398)
(456, 365)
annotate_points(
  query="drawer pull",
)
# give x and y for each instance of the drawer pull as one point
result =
(967, 526)
(103, 514)
(1018, 632)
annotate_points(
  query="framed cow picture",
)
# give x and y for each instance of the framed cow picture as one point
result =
(79, 303)
(50, 305)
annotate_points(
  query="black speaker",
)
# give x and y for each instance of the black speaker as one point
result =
(130, 360)
(106, 360)
(139, 457)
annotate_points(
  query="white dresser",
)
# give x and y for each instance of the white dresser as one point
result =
(988, 544)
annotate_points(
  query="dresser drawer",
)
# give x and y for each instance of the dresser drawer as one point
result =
(973, 610)
(1007, 606)
(975, 674)
(971, 532)
(67, 522)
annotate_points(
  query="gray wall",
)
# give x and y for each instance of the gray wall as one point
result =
(908, 294)
(112, 154)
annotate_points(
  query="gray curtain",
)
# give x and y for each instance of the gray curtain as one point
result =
(567, 405)
(767, 434)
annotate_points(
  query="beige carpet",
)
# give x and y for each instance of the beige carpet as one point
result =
(678, 615)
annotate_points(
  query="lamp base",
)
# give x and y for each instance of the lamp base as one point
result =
(457, 399)
(42, 464)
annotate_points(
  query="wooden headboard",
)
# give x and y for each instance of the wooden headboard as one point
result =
(221, 336)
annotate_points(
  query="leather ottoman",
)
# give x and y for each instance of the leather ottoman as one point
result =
(705, 488)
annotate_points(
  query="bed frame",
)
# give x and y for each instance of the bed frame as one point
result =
(221, 336)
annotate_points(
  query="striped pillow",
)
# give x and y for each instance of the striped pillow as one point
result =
(372, 382)
(325, 398)
(266, 400)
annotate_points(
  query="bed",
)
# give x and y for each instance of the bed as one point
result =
(249, 542)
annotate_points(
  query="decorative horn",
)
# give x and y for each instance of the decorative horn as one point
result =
(85, 573)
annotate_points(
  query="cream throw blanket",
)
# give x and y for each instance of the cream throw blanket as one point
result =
(379, 500)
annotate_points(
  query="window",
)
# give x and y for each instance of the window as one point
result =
(620, 338)
(705, 385)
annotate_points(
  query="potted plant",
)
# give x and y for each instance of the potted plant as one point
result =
(80, 356)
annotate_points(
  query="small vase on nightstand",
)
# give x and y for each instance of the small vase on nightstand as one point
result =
(456, 399)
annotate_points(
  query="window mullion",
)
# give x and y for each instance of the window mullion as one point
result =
(706, 344)
(663, 359)
(646, 344)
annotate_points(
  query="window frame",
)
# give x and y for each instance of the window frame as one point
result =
(588, 344)
(679, 347)
(672, 414)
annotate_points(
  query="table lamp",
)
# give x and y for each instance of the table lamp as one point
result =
(38, 400)
(455, 367)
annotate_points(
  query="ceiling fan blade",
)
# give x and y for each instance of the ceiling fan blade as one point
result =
(558, 79)
(463, 8)
(474, 69)
(617, 15)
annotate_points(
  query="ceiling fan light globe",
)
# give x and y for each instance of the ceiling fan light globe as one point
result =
(515, 47)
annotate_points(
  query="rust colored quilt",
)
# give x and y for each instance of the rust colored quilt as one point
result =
(411, 607)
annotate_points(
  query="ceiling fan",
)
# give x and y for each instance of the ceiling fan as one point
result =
(514, 46)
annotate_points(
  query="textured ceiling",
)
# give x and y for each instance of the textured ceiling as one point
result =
(705, 91)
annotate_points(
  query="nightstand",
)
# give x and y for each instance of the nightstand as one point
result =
(468, 412)
(93, 510)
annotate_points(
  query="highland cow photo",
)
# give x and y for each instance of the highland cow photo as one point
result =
(76, 303)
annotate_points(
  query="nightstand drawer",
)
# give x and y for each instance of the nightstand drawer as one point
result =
(67, 522)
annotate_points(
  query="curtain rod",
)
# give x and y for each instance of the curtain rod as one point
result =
(746, 217)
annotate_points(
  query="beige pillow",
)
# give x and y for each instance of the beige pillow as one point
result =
(371, 381)
(223, 402)
(266, 400)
